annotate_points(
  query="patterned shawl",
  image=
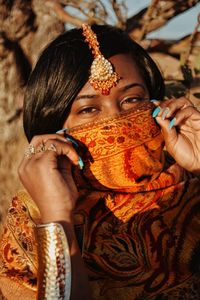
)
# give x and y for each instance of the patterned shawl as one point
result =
(137, 218)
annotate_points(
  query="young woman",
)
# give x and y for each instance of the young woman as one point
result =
(107, 213)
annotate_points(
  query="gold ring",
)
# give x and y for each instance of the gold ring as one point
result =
(30, 150)
(52, 148)
(41, 147)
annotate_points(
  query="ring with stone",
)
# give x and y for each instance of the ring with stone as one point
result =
(52, 148)
(30, 150)
(41, 147)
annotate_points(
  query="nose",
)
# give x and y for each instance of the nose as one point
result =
(112, 108)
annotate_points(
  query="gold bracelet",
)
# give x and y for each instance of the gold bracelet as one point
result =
(54, 271)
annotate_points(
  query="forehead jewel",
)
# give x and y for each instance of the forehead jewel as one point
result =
(102, 76)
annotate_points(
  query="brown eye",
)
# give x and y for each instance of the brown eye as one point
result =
(87, 110)
(130, 101)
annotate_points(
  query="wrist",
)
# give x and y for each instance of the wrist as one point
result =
(57, 216)
(53, 254)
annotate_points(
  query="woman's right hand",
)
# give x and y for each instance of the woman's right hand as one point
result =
(47, 177)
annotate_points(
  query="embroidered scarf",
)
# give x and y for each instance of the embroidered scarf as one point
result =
(123, 153)
(137, 217)
(136, 212)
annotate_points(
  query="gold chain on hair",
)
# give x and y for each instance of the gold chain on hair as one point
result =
(102, 76)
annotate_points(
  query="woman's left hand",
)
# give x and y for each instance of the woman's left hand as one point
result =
(180, 124)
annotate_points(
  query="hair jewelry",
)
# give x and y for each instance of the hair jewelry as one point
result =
(102, 76)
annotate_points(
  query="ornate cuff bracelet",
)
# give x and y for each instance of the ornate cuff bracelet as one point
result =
(54, 271)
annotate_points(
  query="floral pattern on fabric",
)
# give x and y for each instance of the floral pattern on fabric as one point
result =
(124, 154)
(143, 247)
(18, 252)
(142, 213)
(138, 242)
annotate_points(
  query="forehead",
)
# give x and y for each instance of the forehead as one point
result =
(126, 68)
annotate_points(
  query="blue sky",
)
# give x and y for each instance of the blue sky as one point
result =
(178, 27)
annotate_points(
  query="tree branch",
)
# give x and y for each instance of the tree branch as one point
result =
(191, 41)
(159, 15)
(63, 15)
(92, 12)
(118, 13)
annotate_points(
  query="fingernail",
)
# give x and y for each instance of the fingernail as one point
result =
(153, 100)
(80, 163)
(62, 130)
(165, 113)
(172, 122)
(156, 112)
(72, 141)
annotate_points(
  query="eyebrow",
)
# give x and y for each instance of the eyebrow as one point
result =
(86, 96)
(129, 86)
(122, 89)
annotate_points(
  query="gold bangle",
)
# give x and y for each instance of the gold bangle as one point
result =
(54, 272)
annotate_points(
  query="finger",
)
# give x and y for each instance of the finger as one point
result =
(168, 108)
(155, 102)
(69, 138)
(182, 115)
(28, 158)
(170, 134)
(30, 150)
(38, 139)
(56, 148)
(51, 152)
(62, 131)
(160, 106)
(61, 135)
(71, 151)
(39, 147)
(37, 144)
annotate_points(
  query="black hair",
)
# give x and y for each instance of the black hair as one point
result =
(63, 69)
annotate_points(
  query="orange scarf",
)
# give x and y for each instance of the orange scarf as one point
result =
(133, 209)
(124, 153)
(137, 217)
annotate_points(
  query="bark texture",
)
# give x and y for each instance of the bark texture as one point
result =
(25, 28)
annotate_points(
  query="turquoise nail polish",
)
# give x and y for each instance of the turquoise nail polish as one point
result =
(165, 113)
(172, 122)
(153, 100)
(62, 130)
(68, 138)
(80, 163)
(156, 112)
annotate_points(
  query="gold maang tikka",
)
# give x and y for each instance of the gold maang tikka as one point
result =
(102, 76)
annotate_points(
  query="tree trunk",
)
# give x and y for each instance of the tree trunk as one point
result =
(26, 27)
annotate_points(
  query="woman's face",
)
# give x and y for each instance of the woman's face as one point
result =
(90, 105)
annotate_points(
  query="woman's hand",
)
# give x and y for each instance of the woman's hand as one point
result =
(180, 124)
(46, 174)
